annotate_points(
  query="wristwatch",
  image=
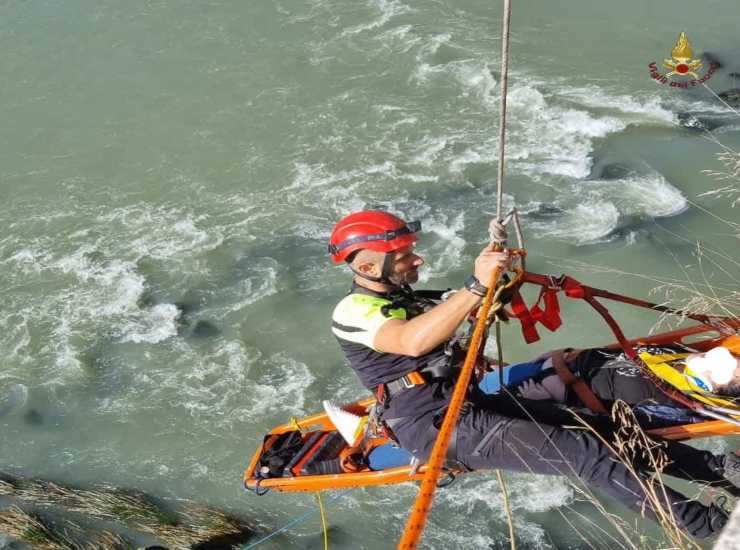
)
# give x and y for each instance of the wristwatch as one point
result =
(475, 286)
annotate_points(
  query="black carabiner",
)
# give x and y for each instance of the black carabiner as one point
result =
(257, 491)
(446, 481)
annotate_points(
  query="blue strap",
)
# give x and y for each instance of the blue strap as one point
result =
(513, 375)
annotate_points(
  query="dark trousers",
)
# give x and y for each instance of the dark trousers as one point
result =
(495, 432)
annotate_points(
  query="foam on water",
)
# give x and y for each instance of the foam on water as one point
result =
(484, 154)
(388, 10)
(481, 497)
(228, 385)
(156, 325)
(594, 210)
(425, 67)
(64, 354)
(263, 282)
(15, 336)
(403, 35)
(708, 105)
(585, 223)
(553, 126)
(92, 281)
(176, 232)
(446, 249)
(98, 281)
(234, 383)
(475, 77)
(526, 492)
(648, 109)
(344, 191)
(282, 390)
(27, 261)
(726, 129)
(648, 196)
(552, 139)
(547, 136)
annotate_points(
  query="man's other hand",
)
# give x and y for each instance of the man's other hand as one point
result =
(487, 262)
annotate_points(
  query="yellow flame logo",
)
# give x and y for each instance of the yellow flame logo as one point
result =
(681, 62)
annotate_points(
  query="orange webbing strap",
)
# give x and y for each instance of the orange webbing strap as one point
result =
(579, 385)
(418, 518)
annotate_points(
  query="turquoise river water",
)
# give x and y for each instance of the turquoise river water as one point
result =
(170, 172)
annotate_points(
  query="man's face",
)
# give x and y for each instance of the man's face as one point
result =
(405, 266)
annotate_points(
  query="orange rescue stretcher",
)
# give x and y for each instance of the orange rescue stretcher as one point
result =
(315, 440)
(318, 434)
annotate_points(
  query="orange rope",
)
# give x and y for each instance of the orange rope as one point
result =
(418, 518)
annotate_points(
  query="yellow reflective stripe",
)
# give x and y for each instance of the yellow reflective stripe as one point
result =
(363, 314)
(355, 308)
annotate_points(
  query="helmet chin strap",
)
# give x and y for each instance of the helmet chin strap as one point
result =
(385, 272)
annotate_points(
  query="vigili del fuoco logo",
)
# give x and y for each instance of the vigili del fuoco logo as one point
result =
(682, 67)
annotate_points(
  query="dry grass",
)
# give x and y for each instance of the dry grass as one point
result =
(107, 541)
(30, 529)
(614, 532)
(198, 524)
(34, 531)
(190, 525)
(6, 488)
(730, 174)
(631, 445)
(105, 503)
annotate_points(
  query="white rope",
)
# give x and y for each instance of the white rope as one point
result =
(502, 114)
(497, 229)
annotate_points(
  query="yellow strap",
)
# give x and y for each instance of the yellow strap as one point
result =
(294, 424)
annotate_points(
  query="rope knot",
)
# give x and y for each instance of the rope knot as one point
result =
(497, 231)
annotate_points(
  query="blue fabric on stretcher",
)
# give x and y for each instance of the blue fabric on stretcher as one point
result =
(513, 375)
(388, 456)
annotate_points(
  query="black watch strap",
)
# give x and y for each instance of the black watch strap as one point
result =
(475, 286)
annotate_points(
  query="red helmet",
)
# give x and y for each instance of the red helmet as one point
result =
(373, 229)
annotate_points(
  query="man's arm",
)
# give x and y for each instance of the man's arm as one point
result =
(422, 334)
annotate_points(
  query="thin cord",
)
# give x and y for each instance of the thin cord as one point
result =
(289, 525)
(322, 512)
(721, 100)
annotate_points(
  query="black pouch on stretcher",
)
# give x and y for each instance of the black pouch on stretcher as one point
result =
(293, 453)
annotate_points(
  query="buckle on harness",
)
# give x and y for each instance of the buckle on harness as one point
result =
(413, 379)
(387, 390)
(554, 283)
